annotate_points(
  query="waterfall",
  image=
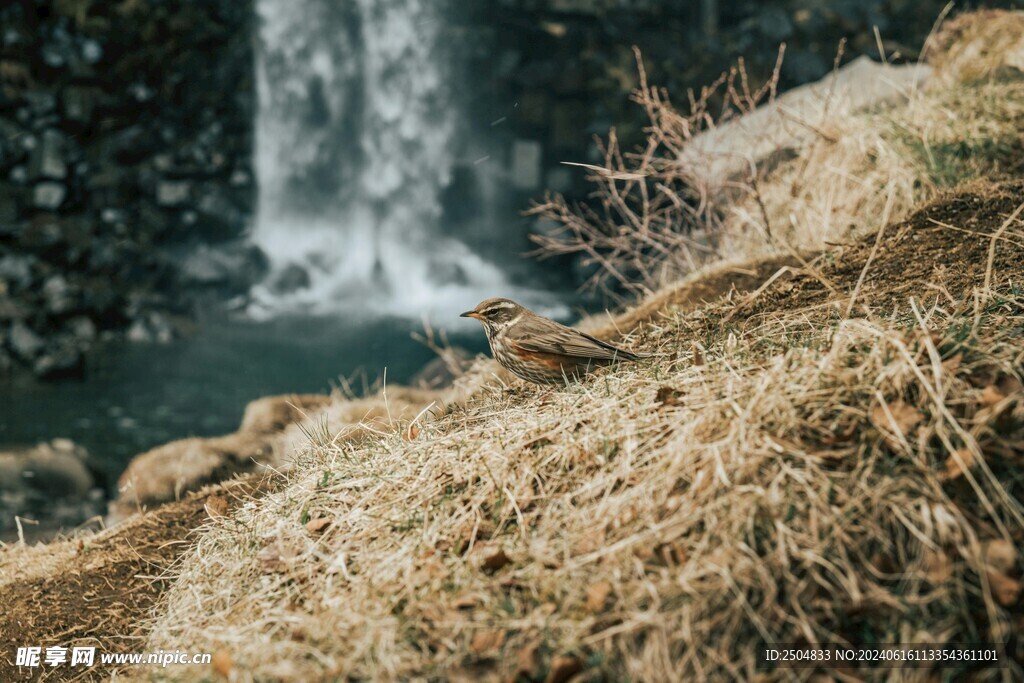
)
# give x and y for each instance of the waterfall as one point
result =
(354, 144)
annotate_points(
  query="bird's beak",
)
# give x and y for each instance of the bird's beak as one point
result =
(471, 314)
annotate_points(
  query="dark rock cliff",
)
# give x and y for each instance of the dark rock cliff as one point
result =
(125, 139)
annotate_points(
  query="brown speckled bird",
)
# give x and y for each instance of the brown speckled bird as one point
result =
(538, 349)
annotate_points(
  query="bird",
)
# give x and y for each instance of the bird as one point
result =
(541, 350)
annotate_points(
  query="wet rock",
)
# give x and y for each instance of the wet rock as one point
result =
(16, 270)
(61, 360)
(11, 309)
(79, 103)
(10, 210)
(233, 266)
(151, 327)
(12, 147)
(171, 193)
(290, 279)
(24, 342)
(99, 296)
(48, 195)
(131, 145)
(59, 296)
(82, 328)
(41, 234)
(50, 469)
(48, 157)
(218, 217)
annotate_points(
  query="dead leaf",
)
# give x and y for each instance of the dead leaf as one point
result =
(216, 506)
(527, 661)
(412, 432)
(952, 364)
(953, 469)
(1005, 590)
(487, 642)
(563, 668)
(937, 567)
(1000, 555)
(496, 561)
(904, 417)
(597, 595)
(1009, 385)
(222, 662)
(277, 556)
(318, 524)
(990, 396)
(667, 396)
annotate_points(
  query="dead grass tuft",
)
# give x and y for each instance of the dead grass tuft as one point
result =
(980, 46)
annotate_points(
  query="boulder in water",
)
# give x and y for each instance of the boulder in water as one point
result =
(54, 469)
(292, 278)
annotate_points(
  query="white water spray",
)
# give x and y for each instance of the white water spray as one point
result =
(354, 141)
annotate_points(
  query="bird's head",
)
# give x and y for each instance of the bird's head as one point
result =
(495, 314)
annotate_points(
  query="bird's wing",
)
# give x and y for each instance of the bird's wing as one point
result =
(547, 336)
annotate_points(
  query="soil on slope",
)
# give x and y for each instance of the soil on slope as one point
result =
(940, 251)
(97, 590)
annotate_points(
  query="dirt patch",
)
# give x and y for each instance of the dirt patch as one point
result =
(735, 278)
(941, 251)
(99, 589)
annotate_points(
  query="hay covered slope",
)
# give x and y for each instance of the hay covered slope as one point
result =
(781, 471)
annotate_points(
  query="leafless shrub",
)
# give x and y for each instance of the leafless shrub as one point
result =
(654, 217)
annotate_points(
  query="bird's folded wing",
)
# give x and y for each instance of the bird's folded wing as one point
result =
(568, 343)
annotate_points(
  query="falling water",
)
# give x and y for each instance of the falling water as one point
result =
(354, 142)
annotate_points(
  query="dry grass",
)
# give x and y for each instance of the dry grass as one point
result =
(655, 215)
(801, 482)
(779, 472)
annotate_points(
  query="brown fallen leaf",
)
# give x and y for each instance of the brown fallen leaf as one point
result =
(667, 396)
(952, 364)
(597, 595)
(1009, 385)
(904, 417)
(216, 506)
(487, 642)
(527, 661)
(222, 662)
(937, 567)
(990, 396)
(496, 561)
(953, 468)
(563, 668)
(1000, 555)
(318, 524)
(1005, 590)
(277, 556)
(412, 432)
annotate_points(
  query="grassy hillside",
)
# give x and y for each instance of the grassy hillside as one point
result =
(782, 471)
(825, 446)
